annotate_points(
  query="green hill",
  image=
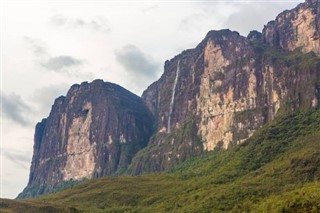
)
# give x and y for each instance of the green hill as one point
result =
(276, 170)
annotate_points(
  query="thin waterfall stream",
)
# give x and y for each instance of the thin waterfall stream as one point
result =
(172, 96)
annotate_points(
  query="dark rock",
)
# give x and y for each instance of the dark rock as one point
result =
(254, 36)
(92, 132)
(230, 86)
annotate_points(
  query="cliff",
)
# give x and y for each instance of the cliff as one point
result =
(218, 94)
(92, 132)
(296, 28)
(212, 97)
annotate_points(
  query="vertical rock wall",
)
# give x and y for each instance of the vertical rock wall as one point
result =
(231, 85)
(92, 132)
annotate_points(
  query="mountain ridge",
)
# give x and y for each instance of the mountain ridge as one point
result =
(228, 76)
(212, 97)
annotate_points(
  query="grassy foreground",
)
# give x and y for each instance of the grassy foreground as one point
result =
(276, 170)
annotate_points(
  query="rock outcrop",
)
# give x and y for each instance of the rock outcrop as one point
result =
(92, 132)
(230, 85)
(296, 28)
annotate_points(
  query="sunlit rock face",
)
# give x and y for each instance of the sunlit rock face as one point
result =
(230, 85)
(297, 28)
(92, 132)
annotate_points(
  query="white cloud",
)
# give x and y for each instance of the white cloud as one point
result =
(97, 23)
(61, 63)
(248, 16)
(37, 47)
(15, 108)
(44, 97)
(18, 157)
(141, 68)
(192, 22)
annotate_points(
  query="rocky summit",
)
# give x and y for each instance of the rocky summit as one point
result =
(229, 86)
(212, 97)
(92, 132)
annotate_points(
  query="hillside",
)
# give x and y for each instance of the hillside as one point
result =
(276, 170)
(212, 97)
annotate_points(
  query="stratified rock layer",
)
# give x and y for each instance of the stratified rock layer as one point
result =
(296, 28)
(231, 85)
(92, 132)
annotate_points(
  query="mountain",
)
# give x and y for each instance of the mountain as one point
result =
(92, 132)
(213, 97)
(218, 94)
(296, 28)
(276, 170)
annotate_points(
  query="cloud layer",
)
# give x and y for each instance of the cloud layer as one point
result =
(140, 67)
(44, 96)
(14, 108)
(97, 23)
(59, 63)
(252, 20)
(37, 47)
(20, 158)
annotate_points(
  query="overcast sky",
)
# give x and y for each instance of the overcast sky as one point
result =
(48, 46)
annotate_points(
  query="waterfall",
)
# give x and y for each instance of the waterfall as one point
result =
(172, 96)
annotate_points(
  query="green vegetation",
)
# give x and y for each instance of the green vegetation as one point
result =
(34, 191)
(276, 170)
(304, 199)
(249, 114)
(152, 158)
(296, 60)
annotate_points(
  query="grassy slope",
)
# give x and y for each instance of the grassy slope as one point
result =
(277, 170)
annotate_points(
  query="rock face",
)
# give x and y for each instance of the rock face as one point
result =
(211, 97)
(229, 86)
(92, 132)
(297, 28)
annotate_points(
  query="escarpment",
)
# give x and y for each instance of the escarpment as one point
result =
(92, 132)
(296, 28)
(230, 85)
(212, 97)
